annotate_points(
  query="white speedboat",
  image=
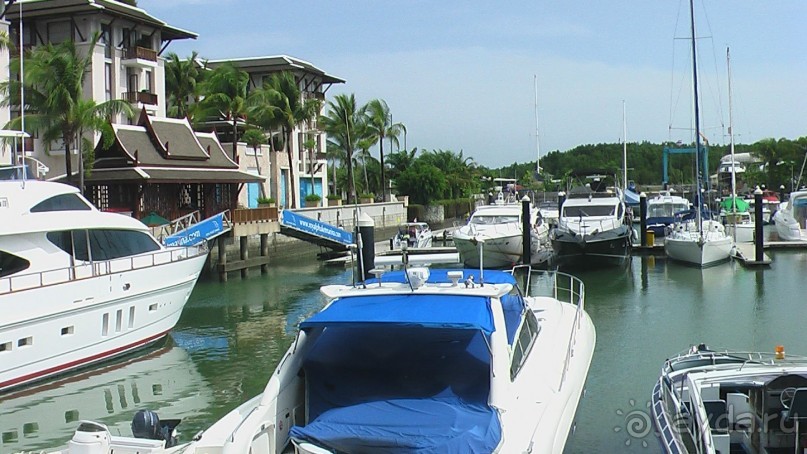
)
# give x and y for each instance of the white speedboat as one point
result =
(447, 361)
(721, 401)
(696, 243)
(67, 305)
(414, 234)
(791, 217)
(496, 232)
(593, 230)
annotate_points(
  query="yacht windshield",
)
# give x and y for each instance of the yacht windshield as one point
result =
(666, 210)
(490, 220)
(589, 210)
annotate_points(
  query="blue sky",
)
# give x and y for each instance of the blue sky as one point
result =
(460, 74)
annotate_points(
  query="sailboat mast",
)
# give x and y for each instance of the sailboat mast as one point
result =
(537, 141)
(698, 196)
(731, 137)
(624, 150)
(21, 156)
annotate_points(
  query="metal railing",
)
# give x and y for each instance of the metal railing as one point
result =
(29, 281)
(564, 288)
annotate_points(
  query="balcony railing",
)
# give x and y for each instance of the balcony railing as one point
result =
(142, 97)
(140, 53)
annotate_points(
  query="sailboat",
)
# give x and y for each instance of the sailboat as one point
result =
(734, 212)
(693, 239)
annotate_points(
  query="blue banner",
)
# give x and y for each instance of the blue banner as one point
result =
(197, 233)
(316, 228)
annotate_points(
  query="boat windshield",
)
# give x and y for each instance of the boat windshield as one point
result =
(589, 210)
(490, 220)
(665, 210)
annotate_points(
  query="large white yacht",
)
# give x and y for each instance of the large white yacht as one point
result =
(414, 361)
(731, 402)
(495, 235)
(67, 305)
(791, 217)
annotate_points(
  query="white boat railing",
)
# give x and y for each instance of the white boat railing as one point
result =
(29, 281)
(564, 288)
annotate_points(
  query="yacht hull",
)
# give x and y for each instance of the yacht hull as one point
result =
(54, 329)
(608, 248)
(497, 252)
(699, 253)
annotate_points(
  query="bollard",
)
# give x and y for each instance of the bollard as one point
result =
(643, 218)
(366, 228)
(758, 240)
(526, 231)
(561, 199)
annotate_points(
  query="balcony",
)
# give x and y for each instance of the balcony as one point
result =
(139, 57)
(140, 97)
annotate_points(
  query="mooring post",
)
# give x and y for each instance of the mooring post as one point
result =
(643, 218)
(222, 246)
(244, 243)
(561, 199)
(367, 230)
(758, 237)
(526, 232)
(264, 252)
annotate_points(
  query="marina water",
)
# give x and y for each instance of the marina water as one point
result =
(231, 336)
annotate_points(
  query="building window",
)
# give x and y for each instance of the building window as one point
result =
(106, 39)
(108, 80)
(149, 82)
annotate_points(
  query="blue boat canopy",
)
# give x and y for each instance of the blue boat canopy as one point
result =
(441, 276)
(412, 309)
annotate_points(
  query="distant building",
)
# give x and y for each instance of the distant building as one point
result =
(310, 165)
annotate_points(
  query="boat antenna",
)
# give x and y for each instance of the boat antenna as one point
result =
(624, 152)
(21, 155)
(698, 177)
(537, 139)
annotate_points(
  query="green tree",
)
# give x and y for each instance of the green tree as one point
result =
(254, 138)
(182, 85)
(379, 126)
(225, 96)
(423, 182)
(343, 123)
(54, 98)
(280, 99)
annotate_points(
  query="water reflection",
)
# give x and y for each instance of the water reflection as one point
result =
(45, 416)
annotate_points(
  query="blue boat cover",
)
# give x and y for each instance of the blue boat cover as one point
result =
(410, 309)
(399, 389)
(438, 275)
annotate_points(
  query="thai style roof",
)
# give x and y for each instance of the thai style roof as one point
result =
(49, 8)
(277, 63)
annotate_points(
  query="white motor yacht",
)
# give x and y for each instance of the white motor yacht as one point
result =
(661, 211)
(723, 402)
(414, 234)
(496, 233)
(791, 217)
(78, 285)
(414, 361)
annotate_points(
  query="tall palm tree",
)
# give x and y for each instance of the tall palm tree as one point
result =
(281, 99)
(225, 96)
(54, 97)
(182, 85)
(379, 126)
(343, 123)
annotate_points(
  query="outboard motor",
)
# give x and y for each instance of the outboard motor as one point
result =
(146, 424)
(90, 438)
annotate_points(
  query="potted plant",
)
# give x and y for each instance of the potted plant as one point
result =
(334, 200)
(367, 197)
(264, 202)
(312, 200)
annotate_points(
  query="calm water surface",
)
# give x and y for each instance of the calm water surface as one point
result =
(231, 336)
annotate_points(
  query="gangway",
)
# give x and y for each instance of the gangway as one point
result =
(314, 231)
(189, 231)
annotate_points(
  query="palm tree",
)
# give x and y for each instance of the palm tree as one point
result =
(182, 85)
(255, 138)
(281, 99)
(343, 123)
(364, 154)
(379, 125)
(54, 97)
(225, 96)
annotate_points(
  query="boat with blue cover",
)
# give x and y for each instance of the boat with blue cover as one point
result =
(449, 361)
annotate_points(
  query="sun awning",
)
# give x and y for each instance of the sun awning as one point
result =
(416, 309)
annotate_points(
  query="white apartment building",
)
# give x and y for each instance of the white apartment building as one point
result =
(126, 62)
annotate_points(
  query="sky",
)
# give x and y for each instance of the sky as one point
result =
(461, 75)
